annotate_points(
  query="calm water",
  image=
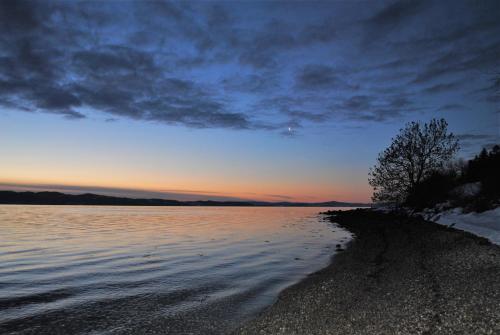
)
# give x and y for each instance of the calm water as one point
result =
(116, 270)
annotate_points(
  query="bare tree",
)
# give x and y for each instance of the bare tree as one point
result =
(416, 152)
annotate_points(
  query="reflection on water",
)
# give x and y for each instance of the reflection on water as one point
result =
(107, 270)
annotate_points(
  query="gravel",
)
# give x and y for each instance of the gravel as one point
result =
(399, 275)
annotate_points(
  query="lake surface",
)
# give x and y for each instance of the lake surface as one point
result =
(128, 270)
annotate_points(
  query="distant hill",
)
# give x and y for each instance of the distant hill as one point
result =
(56, 198)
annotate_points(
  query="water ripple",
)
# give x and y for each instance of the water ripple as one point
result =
(120, 270)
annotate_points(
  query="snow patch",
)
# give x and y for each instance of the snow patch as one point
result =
(485, 224)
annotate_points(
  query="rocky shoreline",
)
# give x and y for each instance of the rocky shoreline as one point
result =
(399, 275)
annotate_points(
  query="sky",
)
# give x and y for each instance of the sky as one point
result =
(271, 100)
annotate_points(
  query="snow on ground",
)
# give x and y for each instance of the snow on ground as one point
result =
(485, 224)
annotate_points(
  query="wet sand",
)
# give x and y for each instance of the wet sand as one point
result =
(398, 276)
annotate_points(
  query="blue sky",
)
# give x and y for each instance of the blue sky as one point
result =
(254, 100)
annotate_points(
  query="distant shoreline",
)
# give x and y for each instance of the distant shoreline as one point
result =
(90, 199)
(399, 275)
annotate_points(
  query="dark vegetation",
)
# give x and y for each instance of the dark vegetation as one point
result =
(474, 185)
(56, 198)
(418, 171)
(413, 156)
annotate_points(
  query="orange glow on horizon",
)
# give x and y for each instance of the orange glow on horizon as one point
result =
(272, 192)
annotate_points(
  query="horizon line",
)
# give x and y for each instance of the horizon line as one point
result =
(178, 195)
(184, 202)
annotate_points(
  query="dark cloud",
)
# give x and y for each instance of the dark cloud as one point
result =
(399, 102)
(375, 108)
(323, 32)
(301, 115)
(263, 48)
(448, 107)
(18, 16)
(464, 33)
(244, 66)
(318, 77)
(456, 61)
(358, 102)
(377, 115)
(253, 83)
(441, 45)
(54, 98)
(396, 13)
(113, 59)
(258, 59)
(40, 74)
(491, 92)
(391, 17)
(442, 87)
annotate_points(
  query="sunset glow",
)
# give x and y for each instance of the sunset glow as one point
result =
(263, 101)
